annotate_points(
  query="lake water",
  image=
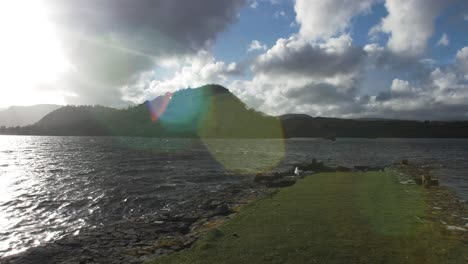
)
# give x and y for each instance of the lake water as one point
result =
(50, 186)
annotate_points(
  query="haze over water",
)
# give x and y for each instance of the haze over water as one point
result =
(50, 186)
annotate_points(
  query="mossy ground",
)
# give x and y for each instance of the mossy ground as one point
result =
(331, 218)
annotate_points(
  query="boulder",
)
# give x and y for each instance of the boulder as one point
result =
(222, 210)
(285, 182)
(362, 168)
(260, 177)
(316, 166)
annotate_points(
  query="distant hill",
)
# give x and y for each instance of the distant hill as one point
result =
(212, 111)
(209, 111)
(24, 115)
(306, 126)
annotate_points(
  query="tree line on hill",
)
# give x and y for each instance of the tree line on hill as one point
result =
(212, 111)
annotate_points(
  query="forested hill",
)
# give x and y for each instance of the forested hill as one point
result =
(208, 111)
(212, 111)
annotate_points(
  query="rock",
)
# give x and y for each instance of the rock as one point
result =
(418, 181)
(281, 183)
(362, 168)
(315, 165)
(343, 169)
(260, 177)
(456, 228)
(428, 181)
(434, 182)
(222, 210)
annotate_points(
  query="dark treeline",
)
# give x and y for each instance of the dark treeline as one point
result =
(306, 126)
(213, 112)
(210, 111)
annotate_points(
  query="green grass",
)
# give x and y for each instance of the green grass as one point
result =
(330, 218)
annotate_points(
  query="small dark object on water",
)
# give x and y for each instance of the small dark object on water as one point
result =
(405, 162)
(332, 138)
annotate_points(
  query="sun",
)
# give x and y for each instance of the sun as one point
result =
(30, 52)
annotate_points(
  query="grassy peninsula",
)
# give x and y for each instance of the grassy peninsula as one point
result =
(331, 218)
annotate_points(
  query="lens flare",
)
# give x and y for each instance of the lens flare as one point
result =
(235, 135)
(158, 106)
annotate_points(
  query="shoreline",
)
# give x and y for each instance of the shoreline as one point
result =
(445, 206)
(135, 240)
(364, 217)
(143, 239)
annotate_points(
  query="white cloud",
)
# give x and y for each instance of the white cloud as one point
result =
(256, 45)
(324, 19)
(462, 60)
(410, 23)
(444, 40)
(400, 86)
(253, 4)
(297, 58)
(194, 71)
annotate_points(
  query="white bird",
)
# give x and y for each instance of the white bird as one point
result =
(297, 171)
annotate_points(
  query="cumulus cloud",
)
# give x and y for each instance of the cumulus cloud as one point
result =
(442, 94)
(110, 41)
(295, 57)
(410, 23)
(299, 76)
(324, 19)
(256, 45)
(318, 71)
(192, 71)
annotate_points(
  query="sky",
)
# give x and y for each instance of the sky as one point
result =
(404, 59)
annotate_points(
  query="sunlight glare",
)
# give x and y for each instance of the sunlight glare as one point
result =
(29, 50)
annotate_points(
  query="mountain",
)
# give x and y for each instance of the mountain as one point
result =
(24, 115)
(212, 111)
(209, 111)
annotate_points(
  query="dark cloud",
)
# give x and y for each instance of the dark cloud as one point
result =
(109, 41)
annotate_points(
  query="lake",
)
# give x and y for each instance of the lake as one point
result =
(51, 186)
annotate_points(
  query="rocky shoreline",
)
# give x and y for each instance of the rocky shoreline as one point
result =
(140, 239)
(149, 237)
(444, 207)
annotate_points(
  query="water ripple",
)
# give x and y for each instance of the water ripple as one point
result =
(51, 186)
